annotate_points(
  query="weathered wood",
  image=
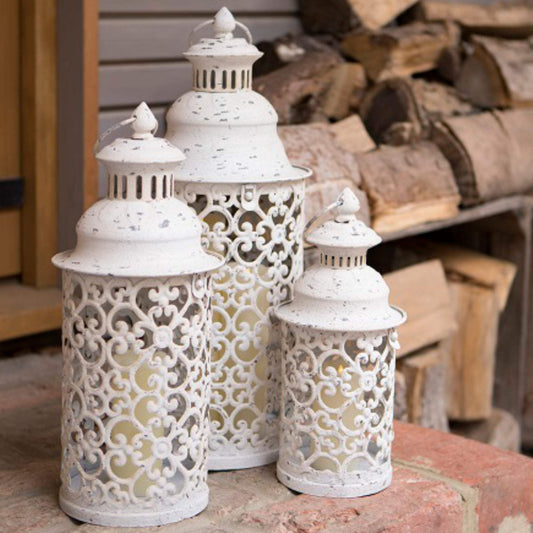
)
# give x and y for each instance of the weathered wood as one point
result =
(39, 149)
(469, 265)
(26, 310)
(498, 73)
(400, 397)
(422, 292)
(351, 134)
(295, 90)
(425, 381)
(489, 152)
(501, 429)
(400, 195)
(415, 102)
(340, 16)
(347, 84)
(334, 168)
(402, 50)
(471, 351)
(496, 18)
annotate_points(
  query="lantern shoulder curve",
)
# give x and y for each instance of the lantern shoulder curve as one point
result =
(138, 238)
(244, 146)
(342, 300)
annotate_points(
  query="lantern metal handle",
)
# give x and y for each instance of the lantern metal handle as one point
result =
(321, 217)
(244, 28)
(116, 126)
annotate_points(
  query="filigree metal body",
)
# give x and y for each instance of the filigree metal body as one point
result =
(136, 332)
(238, 179)
(339, 343)
(258, 230)
(337, 411)
(135, 398)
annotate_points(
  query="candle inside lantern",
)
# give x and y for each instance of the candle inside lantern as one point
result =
(141, 425)
(240, 304)
(335, 400)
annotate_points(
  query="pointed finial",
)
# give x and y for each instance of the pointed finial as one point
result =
(224, 24)
(347, 206)
(145, 124)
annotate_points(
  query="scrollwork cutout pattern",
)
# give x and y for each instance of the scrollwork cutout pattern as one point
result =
(135, 391)
(258, 229)
(337, 406)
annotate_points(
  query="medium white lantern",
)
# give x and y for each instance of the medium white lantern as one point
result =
(239, 180)
(136, 325)
(339, 344)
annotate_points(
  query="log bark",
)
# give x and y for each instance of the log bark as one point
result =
(498, 73)
(351, 134)
(392, 104)
(347, 84)
(501, 429)
(334, 168)
(425, 381)
(295, 89)
(422, 292)
(341, 16)
(499, 19)
(471, 351)
(400, 194)
(402, 50)
(490, 153)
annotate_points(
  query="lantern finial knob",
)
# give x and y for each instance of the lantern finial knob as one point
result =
(224, 23)
(145, 123)
(347, 206)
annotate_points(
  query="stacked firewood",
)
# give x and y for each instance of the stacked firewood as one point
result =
(421, 106)
(423, 102)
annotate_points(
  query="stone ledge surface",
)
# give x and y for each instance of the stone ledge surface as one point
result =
(442, 483)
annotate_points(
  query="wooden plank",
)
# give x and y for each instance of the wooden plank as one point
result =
(127, 85)
(488, 209)
(136, 39)
(10, 90)
(39, 149)
(422, 292)
(10, 256)
(90, 60)
(471, 351)
(195, 6)
(425, 380)
(26, 310)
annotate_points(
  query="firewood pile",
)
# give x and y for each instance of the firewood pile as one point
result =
(421, 107)
(422, 104)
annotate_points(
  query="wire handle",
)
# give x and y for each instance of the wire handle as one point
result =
(321, 217)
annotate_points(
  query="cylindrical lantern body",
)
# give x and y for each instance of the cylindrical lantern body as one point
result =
(339, 342)
(136, 327)
(249, 197)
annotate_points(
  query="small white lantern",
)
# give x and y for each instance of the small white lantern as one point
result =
(239, 180)
(136, 326)
(339, 344)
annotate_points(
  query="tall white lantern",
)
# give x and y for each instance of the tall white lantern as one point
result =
(339, 344)
(239, 180)
(136, 326)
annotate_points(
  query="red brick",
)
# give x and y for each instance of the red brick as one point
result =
(503, 480)
(411, 503)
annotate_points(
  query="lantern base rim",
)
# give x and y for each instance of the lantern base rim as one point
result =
(131, 518)
(341, 490)
(240, 462)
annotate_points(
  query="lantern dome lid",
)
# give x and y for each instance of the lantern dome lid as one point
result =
(342, 293)
(223, 43)
(140, 229)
